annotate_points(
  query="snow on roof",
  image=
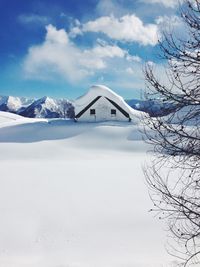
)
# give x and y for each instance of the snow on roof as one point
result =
(102, 90)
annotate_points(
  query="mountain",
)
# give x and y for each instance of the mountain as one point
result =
(154, 107)
(47, 107)
(44, 107)
(13, 104)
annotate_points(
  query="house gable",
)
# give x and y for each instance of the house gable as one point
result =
(119, 108)
(111, 104)
(87, 107)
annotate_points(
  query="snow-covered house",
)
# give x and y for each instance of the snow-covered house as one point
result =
(101, 104)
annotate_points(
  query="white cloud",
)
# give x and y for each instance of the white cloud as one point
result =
(166, 3)
(57, 55)
(130, 70)
(169, 21)
(128, 28)
(75, 31)
(107, 51)
(133, 58)
(172, 24)
(33, 18)
(108, 7)
(55, 36)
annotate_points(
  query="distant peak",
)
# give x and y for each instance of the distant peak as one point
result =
(44, 98)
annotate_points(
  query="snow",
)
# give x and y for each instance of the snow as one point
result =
(48, 102)
(73, 195)
(47, 107)
(101, 90)
(9, 119)
(44, 107)
(44, 103)
(13, 103)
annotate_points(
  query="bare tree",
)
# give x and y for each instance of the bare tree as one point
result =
(174, 176)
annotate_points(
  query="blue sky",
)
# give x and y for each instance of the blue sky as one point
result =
(60, 48)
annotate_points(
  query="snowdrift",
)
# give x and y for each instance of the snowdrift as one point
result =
(73, 194)
(11, 119)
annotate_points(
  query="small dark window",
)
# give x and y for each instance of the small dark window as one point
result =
(113, 112)
(92, 112)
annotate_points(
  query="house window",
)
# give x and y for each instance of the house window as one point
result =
(92, 112)
(113, 112)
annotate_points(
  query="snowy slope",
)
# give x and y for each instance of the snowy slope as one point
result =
(73, 195)
(10, 119)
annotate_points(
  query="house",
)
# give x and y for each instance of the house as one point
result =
(101, 104)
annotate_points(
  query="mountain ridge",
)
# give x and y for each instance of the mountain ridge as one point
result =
(44, 107)
(47, 107)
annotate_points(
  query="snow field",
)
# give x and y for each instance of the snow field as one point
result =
(73, 195)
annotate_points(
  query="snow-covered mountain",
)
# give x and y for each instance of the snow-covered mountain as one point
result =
(44, 107)
(47, 107)
(13, 104)
(154, 107)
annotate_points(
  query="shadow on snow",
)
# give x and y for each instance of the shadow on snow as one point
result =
(50, 130)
